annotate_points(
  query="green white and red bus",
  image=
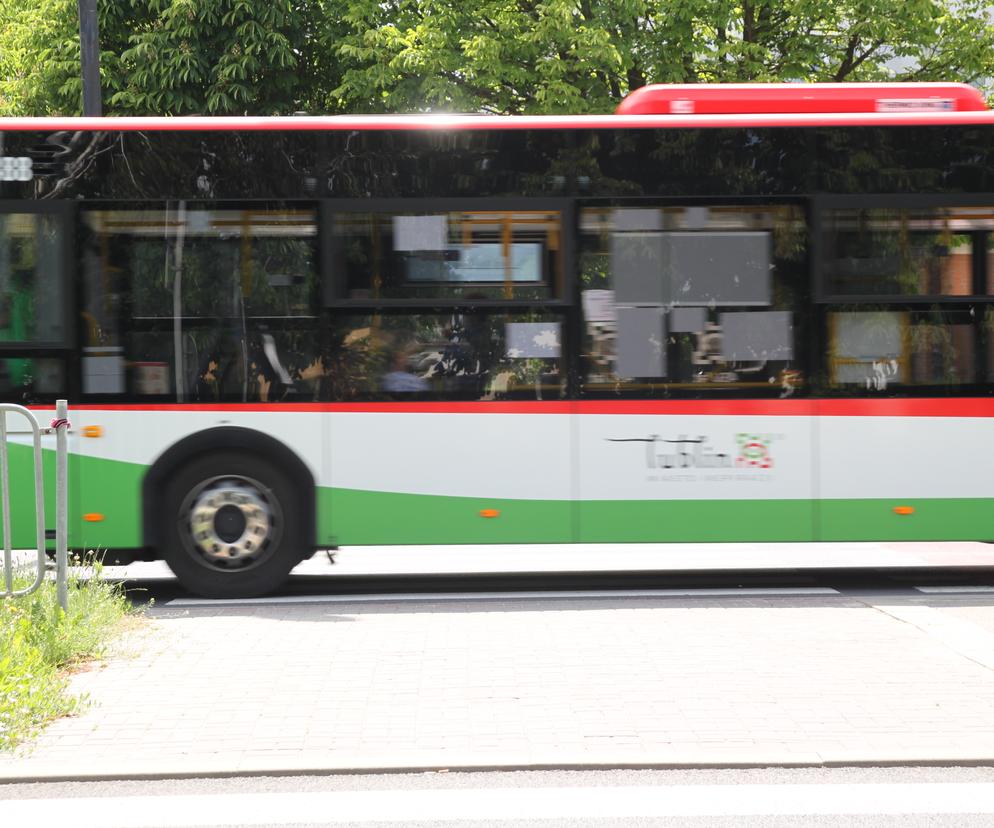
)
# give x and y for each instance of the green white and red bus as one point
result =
(748, 313)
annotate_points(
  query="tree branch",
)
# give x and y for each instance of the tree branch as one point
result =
(846, 66)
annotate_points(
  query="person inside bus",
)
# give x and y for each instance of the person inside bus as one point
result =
(401, 379)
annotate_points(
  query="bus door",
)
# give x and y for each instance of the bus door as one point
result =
(693, 424)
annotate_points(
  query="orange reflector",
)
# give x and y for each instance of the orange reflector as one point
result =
(904, 510)
(491, 513)
(93, 517)
(93, 431)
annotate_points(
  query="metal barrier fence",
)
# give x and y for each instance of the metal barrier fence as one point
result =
(59, 426)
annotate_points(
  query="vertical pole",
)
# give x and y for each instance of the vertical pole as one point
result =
(8, 566)
(89, 53)
(61, 506)
(179, 364)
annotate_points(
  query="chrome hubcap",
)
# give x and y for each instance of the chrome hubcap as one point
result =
(231, 522)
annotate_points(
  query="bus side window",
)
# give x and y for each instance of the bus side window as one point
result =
(32, 306)
(692, 300)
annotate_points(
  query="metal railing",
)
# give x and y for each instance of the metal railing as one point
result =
(59, 426)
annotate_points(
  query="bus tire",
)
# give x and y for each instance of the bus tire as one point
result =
(233, 526)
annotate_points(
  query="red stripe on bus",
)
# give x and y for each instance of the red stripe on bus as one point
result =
(782, 408)
(928, 407)
(494, 122)
(474, 407)
(925, 407)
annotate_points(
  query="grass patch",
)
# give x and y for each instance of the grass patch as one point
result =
(39, 644)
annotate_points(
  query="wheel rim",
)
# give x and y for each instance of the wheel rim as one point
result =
(230, 523)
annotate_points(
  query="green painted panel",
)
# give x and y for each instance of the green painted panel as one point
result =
(624, 521)
(22, 494)
(932, 519)
(109, 487)
(113, 489)
(326, 518)
(363, 517)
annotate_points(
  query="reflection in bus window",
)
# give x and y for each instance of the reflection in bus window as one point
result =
(471, 356)
(31, 265)
(692, 299)
(227, 363)
(176, 298)
(880, 350)
(31, 379)
(493, 254)
(895, 252)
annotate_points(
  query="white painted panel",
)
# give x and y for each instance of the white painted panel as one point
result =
(473, 455)
(663, 457)
(140, 437)
(906, 457)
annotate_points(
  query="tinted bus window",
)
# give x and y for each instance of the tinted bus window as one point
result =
(464, 355)
(912, 159)
(886, 350)
(31, 272)
(691, 300)
(201, 303)
(462, 254)
(694, 162)
(902, 252)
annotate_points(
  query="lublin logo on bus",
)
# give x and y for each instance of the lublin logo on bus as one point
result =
(695, 453)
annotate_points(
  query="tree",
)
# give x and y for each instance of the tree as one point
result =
(162, 57)
(528, 56)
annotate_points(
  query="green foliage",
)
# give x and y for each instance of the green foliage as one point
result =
(31, 689)
(164, 57)
(501, 56)
(578, 56)
(38, 641)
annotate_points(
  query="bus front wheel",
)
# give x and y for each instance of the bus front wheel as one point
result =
(233, 527)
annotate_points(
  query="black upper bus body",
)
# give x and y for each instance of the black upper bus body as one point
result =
(565, 259)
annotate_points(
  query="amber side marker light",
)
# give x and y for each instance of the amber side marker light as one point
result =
(904, 510)
(489, 513)
(93, 431)
(93, 517)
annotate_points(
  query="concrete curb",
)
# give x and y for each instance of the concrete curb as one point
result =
(184, 770)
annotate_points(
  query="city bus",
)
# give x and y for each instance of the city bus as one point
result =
(746, 313)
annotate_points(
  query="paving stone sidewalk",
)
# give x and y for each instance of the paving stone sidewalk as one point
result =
(533, 683)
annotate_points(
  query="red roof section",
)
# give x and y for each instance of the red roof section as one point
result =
(794, 98)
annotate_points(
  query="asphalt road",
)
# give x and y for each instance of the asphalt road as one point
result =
(383, 570)
(773, 797)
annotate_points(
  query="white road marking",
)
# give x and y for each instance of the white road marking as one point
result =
(494, 804)
(424, 597)
(954, 589)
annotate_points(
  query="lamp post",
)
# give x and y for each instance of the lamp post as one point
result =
(89, 51)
